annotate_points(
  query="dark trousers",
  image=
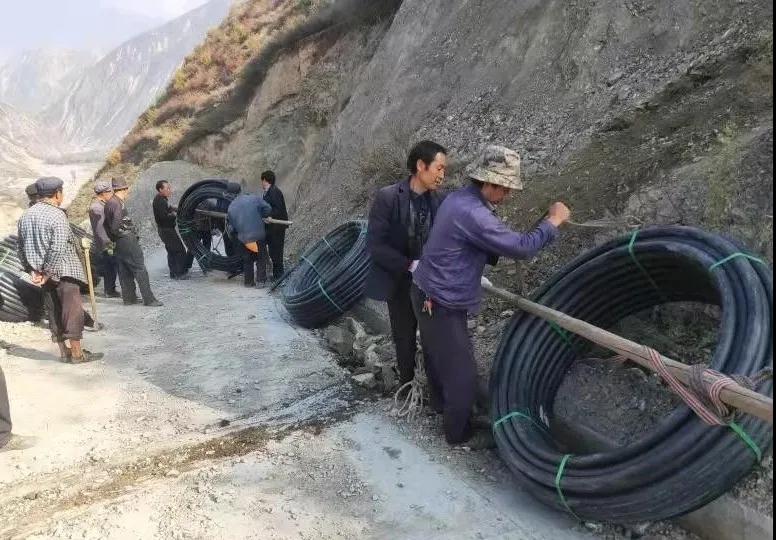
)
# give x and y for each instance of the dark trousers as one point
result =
(131, 267)
(108, 271)
(404, 327)
(65, 309)
(177, 257)
(450, 364)
(5, 412)
(276, 242)
(251, 264)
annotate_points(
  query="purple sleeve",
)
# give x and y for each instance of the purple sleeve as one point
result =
(491, 235)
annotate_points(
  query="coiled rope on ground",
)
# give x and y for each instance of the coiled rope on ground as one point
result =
(197, 195)
(684, 463)
(330, 277)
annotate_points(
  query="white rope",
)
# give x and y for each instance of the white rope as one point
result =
(411, 405)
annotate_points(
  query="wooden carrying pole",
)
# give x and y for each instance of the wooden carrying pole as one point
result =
(87, 245)
(222, 215)
(736, 395)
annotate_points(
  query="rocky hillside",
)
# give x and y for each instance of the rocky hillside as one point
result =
(33, 80)
(655, 109)
(104, 103)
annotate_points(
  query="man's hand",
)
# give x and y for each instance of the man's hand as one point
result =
(38, 278)
(558, 214)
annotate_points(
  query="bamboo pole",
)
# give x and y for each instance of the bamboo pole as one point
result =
(87, 245)
(736, 395)
(223, 215)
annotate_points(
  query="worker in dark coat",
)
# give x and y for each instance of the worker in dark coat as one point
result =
(103, 247)
(276, 233)
(166, 216)
(246, 218)
(468, 234)
(400, 222)
(129, 255)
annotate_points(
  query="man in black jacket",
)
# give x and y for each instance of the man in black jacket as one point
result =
(399, 225)
(276, 234)
(165, 216)
(129, 254)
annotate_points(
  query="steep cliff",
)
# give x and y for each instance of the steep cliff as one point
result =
(104, 103)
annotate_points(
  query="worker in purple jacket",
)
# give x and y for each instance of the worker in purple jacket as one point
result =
(467, 234)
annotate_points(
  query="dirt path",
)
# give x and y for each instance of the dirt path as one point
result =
(212, 417)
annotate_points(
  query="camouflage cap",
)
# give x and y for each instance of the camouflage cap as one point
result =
(497, 165)
(103, 186)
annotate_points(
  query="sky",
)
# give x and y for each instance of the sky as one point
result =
(81, 24)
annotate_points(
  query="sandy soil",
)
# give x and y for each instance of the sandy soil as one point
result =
(212, 417)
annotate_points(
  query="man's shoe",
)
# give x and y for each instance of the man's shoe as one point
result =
(154, 303)
(96, 328)
(481, 422)
(86, 357)
(18, 442)
(131, 302)
(249, 285)
(113, 294)
(481, 440)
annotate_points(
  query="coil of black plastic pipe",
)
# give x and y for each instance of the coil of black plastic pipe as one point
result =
(330, 277)
(681, 465)
(194, 197)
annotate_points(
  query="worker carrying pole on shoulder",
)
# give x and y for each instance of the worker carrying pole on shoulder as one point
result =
(246, 217)
(467, 235)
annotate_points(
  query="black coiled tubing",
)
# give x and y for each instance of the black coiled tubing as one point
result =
(330, 277)
(199, 193)
(20, 300)
(681, 465)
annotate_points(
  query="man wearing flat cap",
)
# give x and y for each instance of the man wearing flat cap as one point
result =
(106, 260)
(467, 235)
(129, 255)
(48, 250)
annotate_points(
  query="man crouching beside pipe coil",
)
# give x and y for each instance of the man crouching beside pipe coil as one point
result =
(467, 235)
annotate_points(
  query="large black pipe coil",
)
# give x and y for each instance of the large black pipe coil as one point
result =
(19, 299)
(224, 192)
(682, 464)
(330, 278)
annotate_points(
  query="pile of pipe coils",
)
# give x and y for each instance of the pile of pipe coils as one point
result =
(214, 195)
(683, 463)
(330, 277)
(20, 300)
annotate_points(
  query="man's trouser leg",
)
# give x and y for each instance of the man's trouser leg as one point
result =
(276, 245)
(262, 260)
(249, 262)
(5, 412)
(53, 309)
(176, 252)
(404, 327)
(130, 255)
(109, 272)
(450, 353)
(69, 295)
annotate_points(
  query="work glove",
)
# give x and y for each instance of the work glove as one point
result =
(109, 249)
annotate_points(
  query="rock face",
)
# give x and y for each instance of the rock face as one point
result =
(106, 100)
(608, 103)
(35, 79)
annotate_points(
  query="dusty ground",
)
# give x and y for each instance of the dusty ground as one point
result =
(214, 418)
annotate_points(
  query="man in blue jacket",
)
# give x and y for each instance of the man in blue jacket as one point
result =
(246, 217)
(468, 234)
(399, 225)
